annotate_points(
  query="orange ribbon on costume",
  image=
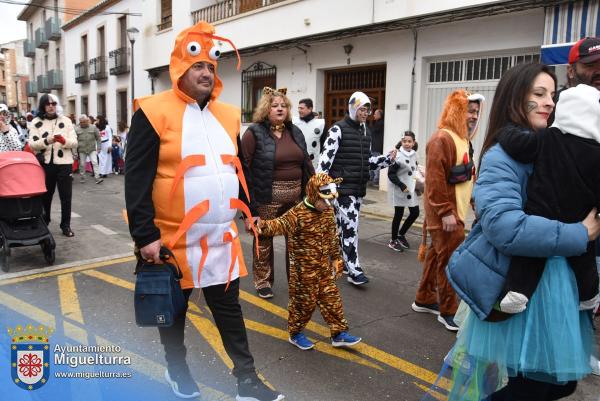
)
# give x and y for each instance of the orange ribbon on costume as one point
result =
(190, 218)
(235, 203)
(231, 159)
(187, 163)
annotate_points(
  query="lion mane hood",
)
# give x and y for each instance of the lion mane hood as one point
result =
(455, 110)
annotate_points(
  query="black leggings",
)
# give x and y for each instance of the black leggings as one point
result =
(59, 175)
(413, 213)
(523, 389)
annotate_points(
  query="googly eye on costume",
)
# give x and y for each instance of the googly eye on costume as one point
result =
(214, 53)
(194, 48)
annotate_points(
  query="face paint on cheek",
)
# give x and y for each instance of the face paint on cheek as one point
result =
(531, 105)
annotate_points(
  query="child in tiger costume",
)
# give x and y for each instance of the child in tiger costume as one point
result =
(315, 262)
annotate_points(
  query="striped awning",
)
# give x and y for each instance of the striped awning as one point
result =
(567, 23)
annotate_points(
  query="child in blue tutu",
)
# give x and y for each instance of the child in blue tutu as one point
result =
(538, 354)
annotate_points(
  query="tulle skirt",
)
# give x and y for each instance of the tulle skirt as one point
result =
(551, 341)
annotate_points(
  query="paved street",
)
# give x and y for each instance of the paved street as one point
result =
(87, 297)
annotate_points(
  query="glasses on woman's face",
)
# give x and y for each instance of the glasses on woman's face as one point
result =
(52, 104)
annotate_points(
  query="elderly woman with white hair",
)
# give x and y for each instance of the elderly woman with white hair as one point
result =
(53, 135)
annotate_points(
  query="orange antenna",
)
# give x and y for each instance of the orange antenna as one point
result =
(239, 63)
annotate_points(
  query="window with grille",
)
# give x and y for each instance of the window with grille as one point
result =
(166, 11)
(476, 69)
(254, 79)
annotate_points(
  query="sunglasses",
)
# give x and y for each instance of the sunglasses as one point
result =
(52, 104)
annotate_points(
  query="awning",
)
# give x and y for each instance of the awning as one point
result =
(565, 24)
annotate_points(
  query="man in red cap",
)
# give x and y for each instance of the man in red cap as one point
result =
(584, 63)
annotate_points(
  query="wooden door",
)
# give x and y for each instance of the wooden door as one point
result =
(341, 84)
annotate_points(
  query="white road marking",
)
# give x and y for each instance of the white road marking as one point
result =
(103, 230)
(74, 215)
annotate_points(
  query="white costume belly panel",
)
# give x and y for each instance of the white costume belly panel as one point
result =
(312, 132)
(202, 134)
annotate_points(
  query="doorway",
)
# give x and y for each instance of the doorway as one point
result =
(340, 84)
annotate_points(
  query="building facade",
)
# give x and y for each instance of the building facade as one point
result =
(406, 55)
(44, 46)
(98, 61)
(16, 76)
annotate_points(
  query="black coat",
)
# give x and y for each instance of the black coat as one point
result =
(263, 161)
(351, 161)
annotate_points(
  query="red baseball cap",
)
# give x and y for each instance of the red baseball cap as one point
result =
(586, 50)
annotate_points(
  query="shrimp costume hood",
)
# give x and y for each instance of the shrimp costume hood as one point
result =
(199, 177)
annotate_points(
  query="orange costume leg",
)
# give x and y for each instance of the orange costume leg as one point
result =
(434, 286)
(330, 303)
(303, 292)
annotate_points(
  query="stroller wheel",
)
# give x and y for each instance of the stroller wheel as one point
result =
(49, 253)
(3, 260)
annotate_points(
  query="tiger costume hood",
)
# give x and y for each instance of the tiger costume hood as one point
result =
(321, 186)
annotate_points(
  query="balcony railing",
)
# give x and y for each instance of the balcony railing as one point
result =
(165, 23)
(42, 84)
(52, 28)
(31, 89)
(55, 79)
(229, 8)
(81, 72)
(41, 42)
(29, 48)
(98, 68)
(119, 61)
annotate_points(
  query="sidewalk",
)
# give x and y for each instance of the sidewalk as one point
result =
(376, 204)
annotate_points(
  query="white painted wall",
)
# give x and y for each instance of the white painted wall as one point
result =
(303, 73)
(113, 83)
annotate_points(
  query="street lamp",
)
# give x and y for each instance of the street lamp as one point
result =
(132, 35)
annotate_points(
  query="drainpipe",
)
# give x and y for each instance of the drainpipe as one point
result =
(413, 80)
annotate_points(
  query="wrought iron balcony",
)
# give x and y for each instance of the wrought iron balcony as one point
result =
(229, 8)
(55, 79)
(42, 84)
(31, 89)
(81, 72)
(41, 42)
(52, 28)
(119, 61)
(29, 48)
(97, 68)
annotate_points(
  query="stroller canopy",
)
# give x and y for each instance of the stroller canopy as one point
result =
(20, 175)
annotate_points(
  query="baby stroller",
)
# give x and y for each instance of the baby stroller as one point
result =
(22, 183)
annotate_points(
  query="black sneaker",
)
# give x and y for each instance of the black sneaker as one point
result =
(426, 308)
(395, 245)
(265, 292)
(358, 279)
(403, 242)
(253, 389)
(181, 382)
(448, 322)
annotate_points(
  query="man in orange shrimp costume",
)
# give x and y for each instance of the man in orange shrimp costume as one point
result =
(184, 184)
